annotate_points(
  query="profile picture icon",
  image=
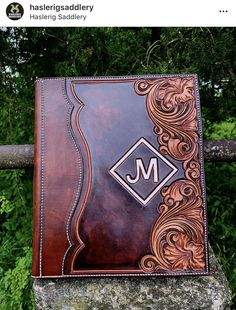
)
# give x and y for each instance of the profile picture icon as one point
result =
(14, 11)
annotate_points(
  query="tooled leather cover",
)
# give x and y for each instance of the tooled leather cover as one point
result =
(119, 177)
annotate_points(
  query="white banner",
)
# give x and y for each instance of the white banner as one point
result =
(80, 13)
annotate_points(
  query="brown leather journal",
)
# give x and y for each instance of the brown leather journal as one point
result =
(119, 180)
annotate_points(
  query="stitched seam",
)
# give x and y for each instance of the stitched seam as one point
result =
(79, 183)
(49, 79)
(128, 274)
(202, 168)
(127, 77)
(42, 200)
(43, 178)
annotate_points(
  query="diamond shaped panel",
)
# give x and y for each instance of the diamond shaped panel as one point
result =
(143, 171)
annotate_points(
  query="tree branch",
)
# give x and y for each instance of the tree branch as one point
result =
(22, 156)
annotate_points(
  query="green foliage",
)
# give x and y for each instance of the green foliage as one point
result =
(6, 206)
(224, 130)
(16, 292)
(221, 199)
(15, 240)
(28, 53)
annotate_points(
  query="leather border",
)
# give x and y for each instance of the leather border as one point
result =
(137, 272)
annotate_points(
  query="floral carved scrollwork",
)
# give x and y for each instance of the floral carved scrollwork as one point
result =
(177, 234)
(177, 237)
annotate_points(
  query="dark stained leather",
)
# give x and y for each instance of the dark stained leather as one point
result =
(119, 180)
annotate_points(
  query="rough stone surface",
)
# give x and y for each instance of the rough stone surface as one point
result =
(188, 292)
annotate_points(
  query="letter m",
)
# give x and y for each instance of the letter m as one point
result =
(146, 173)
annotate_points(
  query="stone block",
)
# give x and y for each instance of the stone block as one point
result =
(185, 292)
